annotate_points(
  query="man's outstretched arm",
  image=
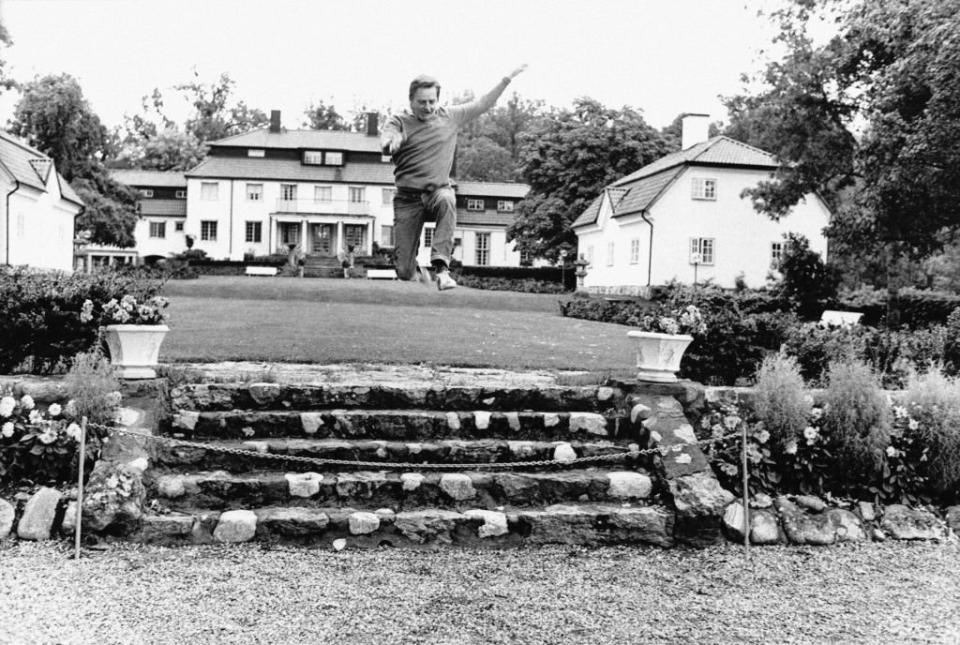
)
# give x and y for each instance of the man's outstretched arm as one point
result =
(391, 137)
(473, 109)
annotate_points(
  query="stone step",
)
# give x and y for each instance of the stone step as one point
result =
(339, 528)
(410, 425)
(398, 490)
(451, 451)
(416, 395)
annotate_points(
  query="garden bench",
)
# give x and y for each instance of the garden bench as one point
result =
(840, 318)
(261, 271)
(381, 274)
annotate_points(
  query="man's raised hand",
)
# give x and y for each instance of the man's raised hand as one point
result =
(512, 75)
(390, 141)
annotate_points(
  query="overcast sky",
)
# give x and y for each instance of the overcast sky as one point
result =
(662, 56)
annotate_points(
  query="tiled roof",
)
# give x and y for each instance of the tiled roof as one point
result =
(15, 156)
(150, 178)
(589, 216)
(296, 139)
(484, 218)
(716, 151)
(492, 189)
(67, 192)
(175, 207)
(291, 169)
(641, 195)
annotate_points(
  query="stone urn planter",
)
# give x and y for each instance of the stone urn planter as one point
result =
(658, 355)
(134, 349)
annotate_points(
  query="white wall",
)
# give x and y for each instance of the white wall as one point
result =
(742, 237)
(41, 226)
(173, 242)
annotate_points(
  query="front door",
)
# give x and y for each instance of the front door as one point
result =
(321, 239)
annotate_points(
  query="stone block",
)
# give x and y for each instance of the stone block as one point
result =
(362, 523)
(764, 528)
(422, 527)
(164, 528)
(803, 528)
(952, 517)
(304, 484)
(291, 521)
(311, 422)
(564, 453)
(7, 514)
(458, 486)
(629, 485)
(411, 481)
(902, 523)
(39, 514)
(494, 522)
(236, 526)
(849, 528)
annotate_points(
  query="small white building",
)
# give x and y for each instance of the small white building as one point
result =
(37, 209)
(683, 218)
(162, 206)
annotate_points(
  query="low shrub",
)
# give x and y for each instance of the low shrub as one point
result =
(40, 326)
(918, 307)
(856, 419)
(525, 285)
(781, 404)
(932, 406)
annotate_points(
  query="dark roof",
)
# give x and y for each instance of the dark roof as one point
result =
(300, 139)
(31, 167)
(589, 216)
(150, 178)
(641, 195)
(484, 218)
(175, 207)
(291, 169)
(718, 151)
(492, 189)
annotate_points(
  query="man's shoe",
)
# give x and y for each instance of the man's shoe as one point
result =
(444, 281)
(423, 277)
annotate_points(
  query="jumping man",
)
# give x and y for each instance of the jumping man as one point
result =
(423, 142)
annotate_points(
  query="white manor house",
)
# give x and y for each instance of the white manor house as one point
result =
(318, 191)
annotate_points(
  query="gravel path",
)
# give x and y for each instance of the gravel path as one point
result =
(871, 593)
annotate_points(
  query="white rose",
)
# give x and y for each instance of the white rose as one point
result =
(27, 402)
(892, 452)
(35, 416)
(7, 404)
(791, 447)
(48, 436)
(54, 410)
(73, 431)
(7, 430)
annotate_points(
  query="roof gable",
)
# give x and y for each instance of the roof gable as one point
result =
(589, 215)
(718, 151)
(16, 158)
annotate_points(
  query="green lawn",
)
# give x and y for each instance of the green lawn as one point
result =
(329, 321)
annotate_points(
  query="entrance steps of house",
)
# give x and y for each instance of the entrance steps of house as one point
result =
(413, 457)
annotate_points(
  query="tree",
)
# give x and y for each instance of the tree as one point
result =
(489, 147)
(55, 118)
(214, 117)
(568, 157)
(807, 282)
(5, 41)
(481, 159)
(892, 74)
(321, 116)
(673, 133)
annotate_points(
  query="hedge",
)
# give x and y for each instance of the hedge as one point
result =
(918, 308)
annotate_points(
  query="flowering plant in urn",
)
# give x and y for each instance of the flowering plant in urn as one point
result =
(133, 332)
(127, 311)
(662, 337)
(684, 320)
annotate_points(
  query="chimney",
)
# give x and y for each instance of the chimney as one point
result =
(696, 128)
(275, 121)
(373, 124)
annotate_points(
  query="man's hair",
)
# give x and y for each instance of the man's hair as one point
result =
(423, 81)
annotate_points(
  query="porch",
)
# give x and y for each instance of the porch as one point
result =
(321, 236)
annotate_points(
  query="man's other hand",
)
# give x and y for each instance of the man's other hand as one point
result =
(390, 141)
(512, 75)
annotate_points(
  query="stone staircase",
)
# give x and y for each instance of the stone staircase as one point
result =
(321, 266)
(426, 458)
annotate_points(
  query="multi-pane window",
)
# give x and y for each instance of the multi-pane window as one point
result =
(208, 230)
(358, 194)
(388, 194)
(313, 157)
(504, 206)
(428, 236)
(322, 193)
(288, 192)
(634, 251)
(180, 194)
(702, 250)
(333, 158)
(483, 249)
(254, 192)
(526, 259)
(254, 232)
(256, 152)
(704, 188)
(610, 249)
(474, 204)
(386, 236)
(776, 254)
(158, 229)
(146, 192)
(209, 191)
(178, 227)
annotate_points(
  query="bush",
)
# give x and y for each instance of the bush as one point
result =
(40, 327)
(807, 282)
(781, 403)
(856, 418)
(918, 308)
(93, 386)
(932, 401)
(525, 285)
(566, 277)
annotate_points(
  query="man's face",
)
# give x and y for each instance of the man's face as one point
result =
(424, 103)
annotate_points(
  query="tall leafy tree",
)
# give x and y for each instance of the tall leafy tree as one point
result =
(324, 116)
(153, 141)
(870, 121)
(568, 157)
(215, 116)
(5, 81)
(489, 147)
(54, 117)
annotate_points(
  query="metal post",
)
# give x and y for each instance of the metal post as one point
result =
(746, 497)
(79, 515)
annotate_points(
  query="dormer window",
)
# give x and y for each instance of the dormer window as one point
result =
(256, 152)
(313, 157)
(504, 206)
(146, 192)
(322, 158)
(333, 158)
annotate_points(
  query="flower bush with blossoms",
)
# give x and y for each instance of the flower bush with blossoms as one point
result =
(682, 320)
(126, 311)
(35, 443)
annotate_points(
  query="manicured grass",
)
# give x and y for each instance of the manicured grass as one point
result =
(330, 321)
(894, 592)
